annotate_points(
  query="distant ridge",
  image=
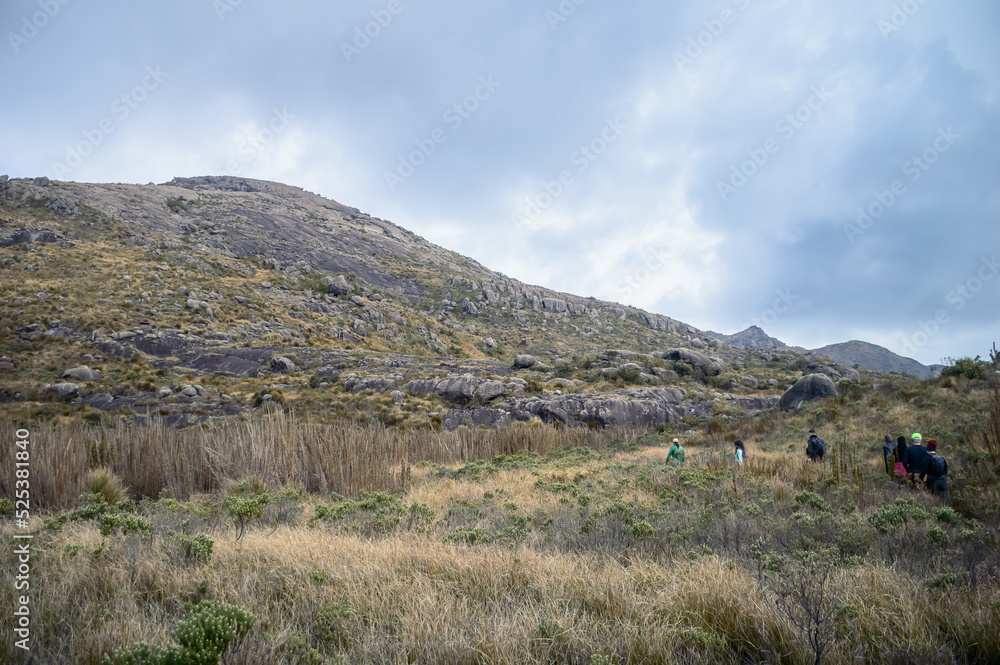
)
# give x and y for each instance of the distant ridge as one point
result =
(872, 356)
(753, 338)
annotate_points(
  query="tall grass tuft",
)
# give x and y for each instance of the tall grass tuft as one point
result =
(277, 451)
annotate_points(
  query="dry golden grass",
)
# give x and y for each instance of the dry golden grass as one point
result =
(413, 599)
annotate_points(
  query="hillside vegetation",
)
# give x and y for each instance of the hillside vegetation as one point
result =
(527, 544)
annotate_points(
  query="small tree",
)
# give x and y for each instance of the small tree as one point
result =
(805, 597)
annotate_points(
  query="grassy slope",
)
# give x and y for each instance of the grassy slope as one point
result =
(594, 552)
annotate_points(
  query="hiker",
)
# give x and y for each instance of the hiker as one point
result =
(676, 452)
(888, 450)
(915, 457)
(741, 452)
(900, 469)
(815, 448)
(936, 472)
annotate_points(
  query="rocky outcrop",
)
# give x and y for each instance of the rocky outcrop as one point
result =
(693, 358)
(807, 389)
(458, 389)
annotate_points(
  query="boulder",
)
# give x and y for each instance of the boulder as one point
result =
(666, 374)
(282, 364)
(82, 373)
(65, 391)
(338, 285)
(189, 391)
(488, 390)
(490, 343)
(101, 401)
(693, 358)
(807, 389)
(524, 361)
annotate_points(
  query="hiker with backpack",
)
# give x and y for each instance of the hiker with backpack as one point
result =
(888, 451)
(915, 458)
(936, 472)
(900, 469)
(741, 452)
(676, 452)
(815, 448)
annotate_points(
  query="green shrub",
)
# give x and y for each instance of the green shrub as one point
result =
(197, 548)
(904, 510)
(201, 638)
(814, 500)
(970, 368)
(6, 506)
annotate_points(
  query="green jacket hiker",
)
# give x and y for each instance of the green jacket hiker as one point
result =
(676, 452)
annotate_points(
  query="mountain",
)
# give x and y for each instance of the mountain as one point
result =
(872, 356)
(753, 338)
(206, 297)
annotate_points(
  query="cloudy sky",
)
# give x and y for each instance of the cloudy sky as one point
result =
(829, 171)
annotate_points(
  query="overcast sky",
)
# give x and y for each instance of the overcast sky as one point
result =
(830, 171)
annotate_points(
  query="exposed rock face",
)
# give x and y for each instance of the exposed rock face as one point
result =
(806, 389)
(82, 373)
(458, 389)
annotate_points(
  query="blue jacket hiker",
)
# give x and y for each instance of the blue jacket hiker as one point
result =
(935, 471)
(815, 448)
(915, 457)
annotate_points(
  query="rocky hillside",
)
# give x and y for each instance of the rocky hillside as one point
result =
(209, 297)
(871, 356)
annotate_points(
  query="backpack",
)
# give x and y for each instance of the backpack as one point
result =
(936, 466)
(822, 446)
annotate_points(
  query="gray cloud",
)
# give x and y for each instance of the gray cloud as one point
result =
(721, 262)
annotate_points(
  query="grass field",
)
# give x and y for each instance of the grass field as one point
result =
(352, 544)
